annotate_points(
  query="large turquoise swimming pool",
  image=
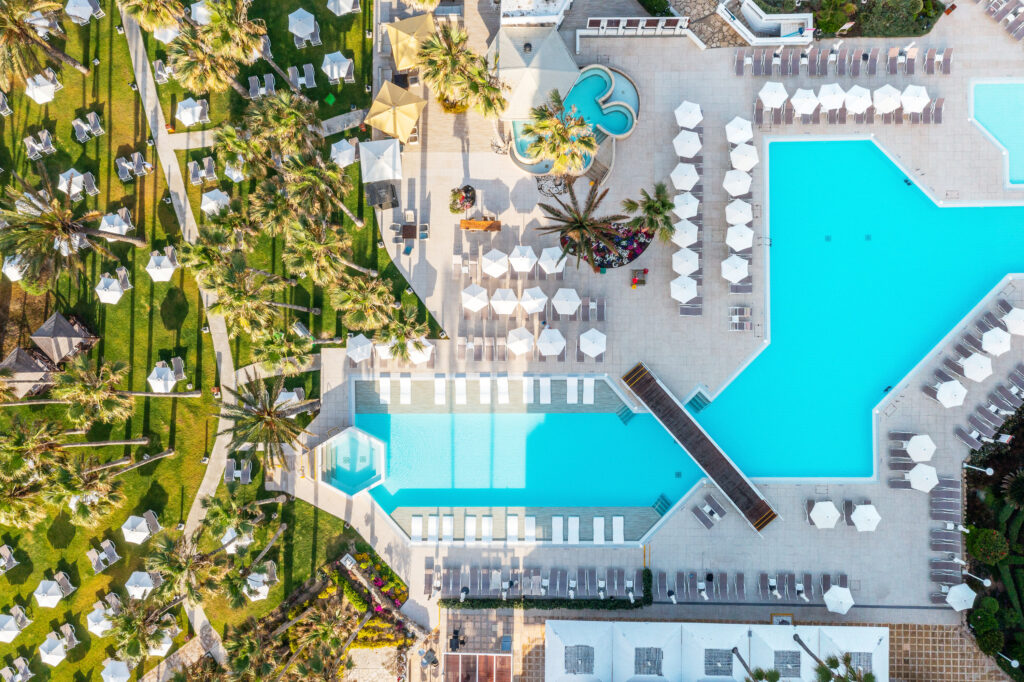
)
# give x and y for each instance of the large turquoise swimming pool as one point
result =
(997, 107)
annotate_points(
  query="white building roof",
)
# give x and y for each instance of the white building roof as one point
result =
(533, 60)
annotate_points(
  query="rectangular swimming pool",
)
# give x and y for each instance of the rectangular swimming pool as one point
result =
(997, 107)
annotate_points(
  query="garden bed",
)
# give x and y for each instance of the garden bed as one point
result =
(630, 245)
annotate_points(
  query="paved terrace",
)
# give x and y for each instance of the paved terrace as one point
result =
(954, 161)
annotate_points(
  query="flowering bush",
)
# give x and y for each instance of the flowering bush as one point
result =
(629, 244)
(461, 199)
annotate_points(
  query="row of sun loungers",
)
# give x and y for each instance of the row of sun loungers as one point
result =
(44, 146)
(233, 474)
(1009, 14)
(491, 389)
(89, 128)
(484, 531)
(306, 80)
(945, 501)
(105, 557)
(710, 512)
(845, 61)
(207, 172)
(589, 310)
(695, 306)
(464, 265)
(268, 88)
(510, 583)
(932, 113)
(129, 169)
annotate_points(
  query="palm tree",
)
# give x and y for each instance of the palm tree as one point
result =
(1013, 488)
(447, 65)
(578, 229)
(187, 573)
(560, 136)
(317, 186)
(404, 334)
(365, 302)
(653, 212)
(486, 92)
(89, 490)
(135, 631)
(271, 207)
(322, 252)
(91, 395)
(257, 418)
(325, 628)
(841, 669)
(200, 69)
(153, 14)
(424, 5)
(20, 44)
(285, 351)
(49, 234)
(252, 658)
(762, 675)
(286, 123)
(230, 33)
(231, 144)
(206, 670)
(225, 511)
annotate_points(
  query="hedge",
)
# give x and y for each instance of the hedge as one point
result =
(490, 604)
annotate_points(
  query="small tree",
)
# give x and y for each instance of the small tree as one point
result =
(987, 546)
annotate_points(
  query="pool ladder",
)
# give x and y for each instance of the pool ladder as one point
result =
(662, 505)
(625, 414)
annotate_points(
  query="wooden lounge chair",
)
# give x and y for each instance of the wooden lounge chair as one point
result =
(124, 169)
(5, 108)
(314, 37)
(947, 61)
(254, 87)
(94, 560)
(269, 86)
(209, 169)
(64, 583)
(758, 60)
(843, 60)
(204, 111)
(714, 504)
(160, 74)
(812, 61)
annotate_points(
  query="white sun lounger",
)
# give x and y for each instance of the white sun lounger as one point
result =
(572, 390)
(503, 390)
(432, 528)
(448, 528)
(598, 530)
(417, 529)
(439, 391)
(531, 529)
(545, 390)
(618, 530)
(574, 530)
(405, 390)
(460, 390)
(384, 388)
(470, 531)
(512, 528)
(485, 390)
(556, 530)
(487, 528)
(588, 391)
(528, 390)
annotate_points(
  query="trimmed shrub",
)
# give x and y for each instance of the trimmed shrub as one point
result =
(982, 621)
(353, 595)
(648, 586)
(1009, 619)
(987, 546)
(990, 641)
(990, 604)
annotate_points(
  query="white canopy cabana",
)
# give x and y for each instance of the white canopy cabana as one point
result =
(565, 301)
(804, 102)
(685, 262)
(738, 212)
(188, 112)
(256, 586)
(865, 518)
(115, 671)
(214, 201)
(519, 341)
(40, 90)
(135, 530)
(551, 260)
(685, 205)
(684, 176)
(533, 300)
(920, 447)
(532, 61)
(71, 181)
(200, 13)
(114, 224)
(824, 514)
(738, 131)
(340, 7)
(52, 651)
(13, 268)
(108, 290)
(160, 267)
(474, 298)
(79, 9)
(688, 114)
(494, 263)
(522, 258)
(686, 144)
(233, 543)
(301, 23)
(735, 269)
(831, 96)
(343, 153)
(98, 621)
(683, 289)
(359, 348)
(166, 34)
(550, 342)
(161, 379)
(9, 628)
(773, 94)
(858, 99)
(383, 350)
(743, 157)
(736, 182)
(139, 585)
(684, 233)
(636, 645)
(739, 237)
(336, 65)
(47, 594)
(504, 302)
(593, 343)
(380, 160)
(996, 341)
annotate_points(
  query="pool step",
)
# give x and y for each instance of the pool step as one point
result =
(625, 414)
(662, 505)
(698, 402)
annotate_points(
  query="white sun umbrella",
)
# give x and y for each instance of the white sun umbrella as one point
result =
(161, 379)
(80, 9)
(383, 350)
(565, 301)
(738, 131)
(977, 367)
(40, 90)
(1014, 321)
(550, 342)
(773, 94)
(522, 258)
(685, 262)
(109, 290)
(914, 99)
(301, 22)
(684, 233)
(684, 176)
(235, 172)
(214, 202)
(688, 114)
(97, 621)
(738, 212)
(200, 13)
(336, 65)
(685, 205)
(533, 300)
(951, 393)
(188, 112)
(256, 586)
(359, 348)
(52, 650)
(135, 530)
(824, 514)
(48, 594)
(743, 157)
(139, 585)
(886, 99)
(865, 518)
(504, 302)
(736, 182)
(804, 102)
(494, 263)
(683, 289)
(920, 447)
(13, 268)
(115, 671)
(995, 341)
(520, 341)
(735, 269)
(961, 597)
(739, 237)
(593, 343)
(858, 99)
(686, 143)
(551, 260)
(474, 298)
(8, 628)
(160, 267)
(838, 599)
(166, 34)
(923, 477)
(419, 350)
(343, 153)
(831, 96)
(114, 224)
(71, 181)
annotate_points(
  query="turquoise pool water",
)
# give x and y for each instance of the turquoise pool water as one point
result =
(351, 461)
(867, 276)
(999, 109)
(576, 459)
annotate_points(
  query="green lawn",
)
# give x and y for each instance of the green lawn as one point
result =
(345, 34)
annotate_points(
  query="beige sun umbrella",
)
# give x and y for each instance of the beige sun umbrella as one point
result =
(395, 111)
(406, 36)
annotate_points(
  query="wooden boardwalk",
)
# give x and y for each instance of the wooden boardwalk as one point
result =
(709, 457)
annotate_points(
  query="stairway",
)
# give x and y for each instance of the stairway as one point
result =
(662, 505)
(625, 414)
(698, 402)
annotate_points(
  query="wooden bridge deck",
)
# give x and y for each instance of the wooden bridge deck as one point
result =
(709, 457)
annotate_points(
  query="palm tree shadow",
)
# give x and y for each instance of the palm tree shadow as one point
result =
(61, 532)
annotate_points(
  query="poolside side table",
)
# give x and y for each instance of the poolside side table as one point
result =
(638, 278)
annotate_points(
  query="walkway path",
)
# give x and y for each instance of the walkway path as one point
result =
(342, 122)
(191, 139)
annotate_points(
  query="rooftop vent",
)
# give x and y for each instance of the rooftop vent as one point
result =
(528, 48)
